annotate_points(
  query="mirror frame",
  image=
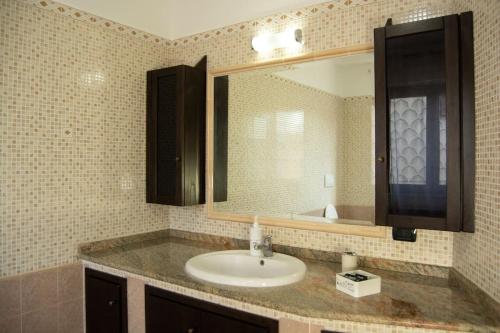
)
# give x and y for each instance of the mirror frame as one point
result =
(346, 229)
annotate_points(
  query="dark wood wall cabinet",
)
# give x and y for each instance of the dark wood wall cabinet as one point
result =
(175, 145)
(105, 303)
(424, 120)
(171, 312)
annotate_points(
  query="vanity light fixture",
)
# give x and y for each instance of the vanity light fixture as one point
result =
(285, 39)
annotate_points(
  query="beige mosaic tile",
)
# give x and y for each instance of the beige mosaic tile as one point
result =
(431, 247)
(81, 15)
(477, 256)
(359, 152)
(72, 136)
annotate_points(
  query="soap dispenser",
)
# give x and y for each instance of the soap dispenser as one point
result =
(255, 238)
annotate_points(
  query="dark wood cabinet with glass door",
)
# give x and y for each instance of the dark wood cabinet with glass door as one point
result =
(424, 120)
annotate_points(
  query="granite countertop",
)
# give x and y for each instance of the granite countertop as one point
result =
(406, 299)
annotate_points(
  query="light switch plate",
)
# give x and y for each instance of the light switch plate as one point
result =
(329, 180)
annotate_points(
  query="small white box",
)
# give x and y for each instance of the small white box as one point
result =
(358, 289)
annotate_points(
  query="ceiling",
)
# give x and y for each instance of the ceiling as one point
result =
(174, 19)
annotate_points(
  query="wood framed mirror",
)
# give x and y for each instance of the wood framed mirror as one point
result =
(271, 152)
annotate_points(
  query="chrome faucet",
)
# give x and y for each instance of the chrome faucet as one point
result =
(266, 246)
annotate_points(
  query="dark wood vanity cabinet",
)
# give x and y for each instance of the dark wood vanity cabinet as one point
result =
(105, 302)
(424, 124)
(175, 130)
(171, 312)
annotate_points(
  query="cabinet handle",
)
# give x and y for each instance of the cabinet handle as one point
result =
(191, 330)
(177, 158)
(380, 159)
(111, 303)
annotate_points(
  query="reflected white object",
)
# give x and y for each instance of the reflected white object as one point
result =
(268, 42)
(239, 268)
(331, 212)
(349, 261)
(255, 237)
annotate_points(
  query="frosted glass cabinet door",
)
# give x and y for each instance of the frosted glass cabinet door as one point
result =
(419, 135)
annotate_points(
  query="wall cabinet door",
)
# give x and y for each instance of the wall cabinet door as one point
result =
(105, 303)
(420, 127)
(176, 135)
(168, 312)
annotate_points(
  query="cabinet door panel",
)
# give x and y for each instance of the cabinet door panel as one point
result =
(164, 316)
(169, 312)
(213, 323)
(105, 305)
(168, 156)
(416, 87)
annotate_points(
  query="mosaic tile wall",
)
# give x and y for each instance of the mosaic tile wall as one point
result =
(47, 205)
(283, 138)
(72, 135)
(330, 25)
(359, 155)
(477, 255)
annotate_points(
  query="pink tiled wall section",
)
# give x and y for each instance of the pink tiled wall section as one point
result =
(330, 25)
(477, 256)
(45, 301)
(72, 135)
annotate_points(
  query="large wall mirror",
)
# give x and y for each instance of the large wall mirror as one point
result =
(293, 143)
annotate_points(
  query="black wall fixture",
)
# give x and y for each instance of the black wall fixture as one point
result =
(424, 120)
(176, 113)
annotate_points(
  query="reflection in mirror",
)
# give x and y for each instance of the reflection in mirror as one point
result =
(297, 141)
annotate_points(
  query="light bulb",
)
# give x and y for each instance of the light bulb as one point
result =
(268, 42)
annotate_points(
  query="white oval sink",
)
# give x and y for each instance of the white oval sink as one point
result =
(239, 268)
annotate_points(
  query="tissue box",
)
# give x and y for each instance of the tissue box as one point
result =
(361, 288)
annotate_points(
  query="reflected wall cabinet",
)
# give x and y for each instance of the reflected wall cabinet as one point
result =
(175, 130)
(424, 100)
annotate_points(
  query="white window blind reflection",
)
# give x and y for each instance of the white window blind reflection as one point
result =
(290, 144)
(259, 128)
(289, 122)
